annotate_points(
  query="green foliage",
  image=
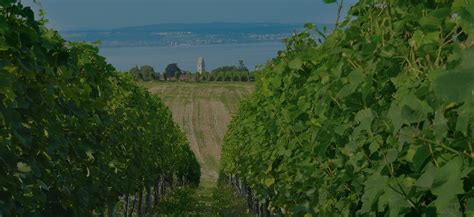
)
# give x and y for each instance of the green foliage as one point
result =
(148, 72)
(220, 200)
(227, 202)
(75, 134)
(229, 73)
(227, 76)
(378, 120)
(181, 202)
(145, 73)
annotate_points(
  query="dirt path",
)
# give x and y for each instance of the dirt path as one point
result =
(203, 110)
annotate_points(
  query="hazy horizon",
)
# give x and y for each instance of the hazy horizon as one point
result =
(185, 23)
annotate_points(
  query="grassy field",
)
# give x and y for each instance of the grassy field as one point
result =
(203, 110)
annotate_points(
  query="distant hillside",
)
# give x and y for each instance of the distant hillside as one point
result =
(186, 34)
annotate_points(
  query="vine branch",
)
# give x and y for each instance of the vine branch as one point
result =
(339, 10)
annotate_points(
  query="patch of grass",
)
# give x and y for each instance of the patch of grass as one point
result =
(181, 202)
(220, 200)
(227, 202)
(211, 162)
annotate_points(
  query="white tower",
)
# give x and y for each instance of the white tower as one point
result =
(201, 65)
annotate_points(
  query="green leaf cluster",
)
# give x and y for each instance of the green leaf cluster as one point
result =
(377, 120)
(145, 73)
(75, 134)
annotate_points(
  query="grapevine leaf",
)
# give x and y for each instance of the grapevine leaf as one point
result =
(364, 118)
(23, 167)
(440, 125)
(464, 9)
(296, 64)
(467, 57)
(418, 106)
(470, 207)
(429, 21)
(374, 147)
(466, 116)
(394, 200)
(356, 77)
(440, 13)
(374, 187)
(421, 156)
(447, 184)
(395, 115)
(23, 137)
(407, 135)
(455, 86)
(427, 178)
(42, 185)
(392, 155)
(269, 181)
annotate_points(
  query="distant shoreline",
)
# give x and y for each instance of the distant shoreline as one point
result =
(175, 35)
(184, 25)
(191, 45)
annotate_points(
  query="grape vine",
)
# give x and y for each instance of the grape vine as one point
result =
(76, 135)
(377, 120)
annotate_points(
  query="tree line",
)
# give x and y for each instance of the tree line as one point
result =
(172, 72)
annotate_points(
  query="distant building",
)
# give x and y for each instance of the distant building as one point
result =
(201, 65)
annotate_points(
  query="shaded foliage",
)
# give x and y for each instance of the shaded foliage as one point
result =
(144, 73)
(75, 134)
(378, 120)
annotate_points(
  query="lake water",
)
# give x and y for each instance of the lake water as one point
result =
(186, 56)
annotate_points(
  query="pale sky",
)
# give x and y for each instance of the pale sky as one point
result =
(106, 14)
